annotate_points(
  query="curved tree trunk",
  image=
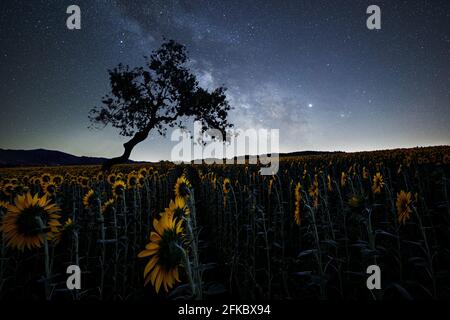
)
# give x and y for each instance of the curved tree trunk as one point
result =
(129, 145)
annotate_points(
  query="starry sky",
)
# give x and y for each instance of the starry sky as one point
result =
(309, 68)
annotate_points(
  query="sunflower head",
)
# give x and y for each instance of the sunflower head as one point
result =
(46, 177)
(165, 252)
(314, 189)
(141, 181)
(100, 176)
(329, 183)
(90, 199)
(37, 181)
(118, 188)
(298, 203)
(178, 208)
(143, 172)
(83, 181)
(50, 188)
(8, 189)
(58, 179)
(378, 183)
(226, 186)
(25, 179)
(68, 225)
(108, 206)
(21, 225)
(132, 181)
(182, 187)
(403, 204)
(297, 192)
(111, 178)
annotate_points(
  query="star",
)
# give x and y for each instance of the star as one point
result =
(273, 57)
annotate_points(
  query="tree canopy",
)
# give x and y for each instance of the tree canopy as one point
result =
(159, 95)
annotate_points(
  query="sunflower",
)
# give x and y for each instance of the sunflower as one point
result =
(403, 205)
(143, 172)
(83, 181)
(165, 252)
(19, 189)
(25, 179)
(298, 199)
(89, 199)
(141, 180)
(100, 176)
(50, 188)
(68, 224)
(21, 227)
(314, 192)
(108, 206)
(46, 177)
(178, 208)
(118, 188)
(111, 178)
(378, 183)
(132, 180)
(329, 183)
(8, 189)
(226, 186)
(58, 179)
(119, 176)
(182, 187)
(36, 181)
(446, 159)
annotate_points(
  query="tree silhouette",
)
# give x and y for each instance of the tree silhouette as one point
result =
(162, 94)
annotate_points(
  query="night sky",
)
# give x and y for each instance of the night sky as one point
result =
(310, 68)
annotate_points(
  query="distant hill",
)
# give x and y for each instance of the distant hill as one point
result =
(42, 157)
(307, 153)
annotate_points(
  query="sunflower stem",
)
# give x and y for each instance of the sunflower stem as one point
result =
(194, 271)
(46, 259)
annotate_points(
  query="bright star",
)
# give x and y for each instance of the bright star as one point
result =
(310, 105)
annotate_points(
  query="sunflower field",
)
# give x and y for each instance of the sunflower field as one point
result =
(166, 231)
